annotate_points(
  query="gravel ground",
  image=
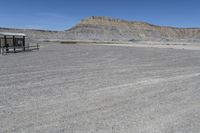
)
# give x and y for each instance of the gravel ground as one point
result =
(100, 89)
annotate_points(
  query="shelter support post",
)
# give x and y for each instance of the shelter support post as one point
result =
(24, 43)
(14, 44)
(6, 44)
(0, 46)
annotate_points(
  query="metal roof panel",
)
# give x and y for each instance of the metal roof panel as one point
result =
(11, 34)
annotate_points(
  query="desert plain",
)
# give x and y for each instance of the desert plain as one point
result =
(80, 88)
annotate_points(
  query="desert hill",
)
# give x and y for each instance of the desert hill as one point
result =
(110, 29)
(105, 28)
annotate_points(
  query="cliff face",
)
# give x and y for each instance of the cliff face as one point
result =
(104, 28)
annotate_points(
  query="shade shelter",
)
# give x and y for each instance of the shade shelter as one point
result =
(10, 42)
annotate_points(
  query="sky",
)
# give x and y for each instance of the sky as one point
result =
(63, 14)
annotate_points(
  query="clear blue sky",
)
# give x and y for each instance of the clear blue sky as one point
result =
(62, 14)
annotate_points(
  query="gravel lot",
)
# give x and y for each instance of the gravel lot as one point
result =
(100, 89)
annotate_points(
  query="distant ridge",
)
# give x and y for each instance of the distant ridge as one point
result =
(100, 28)
(2, 28)
(37, 34)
